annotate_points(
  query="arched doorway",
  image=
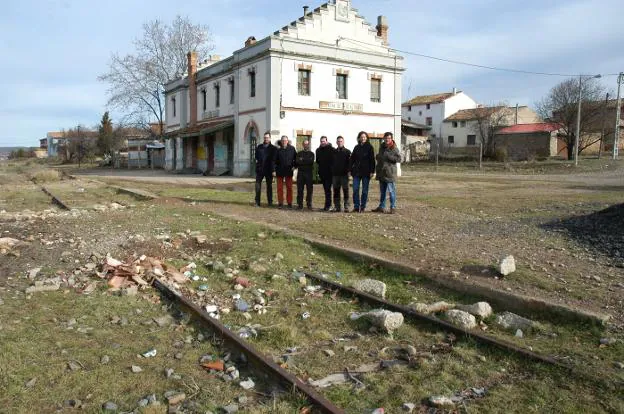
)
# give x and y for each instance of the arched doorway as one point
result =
(251, 136)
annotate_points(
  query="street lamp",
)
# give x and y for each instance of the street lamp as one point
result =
(616, 131)
(578, 116)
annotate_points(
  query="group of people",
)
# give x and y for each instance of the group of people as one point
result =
(334, 167)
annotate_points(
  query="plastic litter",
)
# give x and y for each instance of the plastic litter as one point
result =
(305, 315)
(150, 354)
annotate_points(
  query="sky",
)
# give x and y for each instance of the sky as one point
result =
(53, 50)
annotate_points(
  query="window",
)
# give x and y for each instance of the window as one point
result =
(462, 124)
(252, 84)
(375, 90)
(419, 113)
(472, 140)
(429, 121)
(454, 124)
(409, 108)
(231, 90)
(409, 118)
(341, 86)
(203, 99)
(451, 139)
(217, 88)
(304, 82)
(428, 106)
(173, 105)
(300, 139)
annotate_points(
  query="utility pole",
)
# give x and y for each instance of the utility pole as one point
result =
(616, 131)
(604, 120)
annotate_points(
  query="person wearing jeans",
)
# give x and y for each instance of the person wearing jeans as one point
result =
(284, 164)
(305, 164)
(387, 160)
(362, 166)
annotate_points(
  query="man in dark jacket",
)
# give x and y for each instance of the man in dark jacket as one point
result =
(340, 174)
(305, 164)
(324, 158)
(362, 169)
(284, 164)
(265, 158)
(387, 160)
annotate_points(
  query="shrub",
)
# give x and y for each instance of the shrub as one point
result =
(500, 154)
(44, 176)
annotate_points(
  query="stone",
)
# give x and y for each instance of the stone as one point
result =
(212, 308)
(43, 288)
(163, 321)
(519, 333)
(176, 398)
(32, 273)
(247, 385)
(511, 321)
(262, 236)
(608, 341)
(257, 268)
(230, 409)
(371, 286)
(242, 400)
(433, 308)
(381, 318)
(460, 318)
(200, 239)
(136, 369)
(507, 265)
(242, 306)
(440, 401)
(279, 257)
(179, 355)
(31, 383)
(105, 360)
(74, 366)
(408, 407)
(411, 350)
(143, 403)
(618, 365)
(168, 372)
(329, 352)
(218, 266)
(481, 309)
(130, 291)
(109, 406)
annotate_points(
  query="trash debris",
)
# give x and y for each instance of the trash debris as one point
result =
(244, 282)
(378, 411)
(241, 305)
(440, 401)
(247, 385)
(328, 381)
(150, 354)
(32, 273)
(408, 407)
(214, 365)
(176, 398)
(305, 315)
(212, 308)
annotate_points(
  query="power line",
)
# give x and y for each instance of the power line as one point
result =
(458, 62)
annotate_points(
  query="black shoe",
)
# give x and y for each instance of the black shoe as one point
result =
(378, 210)
(280, 206)
(326, 209)
(355, 210)
(299, 207)
(336, 210)
(270, 204)
(256, 205)
(290, 206)
(309, 208)
(391, 211)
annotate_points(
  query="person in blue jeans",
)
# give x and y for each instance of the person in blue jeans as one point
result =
(387, 160)
(362, 166)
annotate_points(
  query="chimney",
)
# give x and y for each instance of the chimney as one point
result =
(454, 91)
(516, 114)
(192, 71)
(305, 11)
(250, 41)
(382, 29)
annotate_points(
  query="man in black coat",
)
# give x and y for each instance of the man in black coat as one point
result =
(340, 174)
(265, 158)
(305, 164)
(324, 159)
(284, 164)
(362, 169)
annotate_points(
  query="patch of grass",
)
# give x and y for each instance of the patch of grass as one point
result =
(46, 176)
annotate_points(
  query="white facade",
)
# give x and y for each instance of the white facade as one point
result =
(437, 111)
(330, 41)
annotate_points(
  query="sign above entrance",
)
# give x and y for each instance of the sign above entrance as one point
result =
(341, 106)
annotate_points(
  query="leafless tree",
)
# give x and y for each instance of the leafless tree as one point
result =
(136, 81)
(488, 120)
(561, 106)
(79, 144)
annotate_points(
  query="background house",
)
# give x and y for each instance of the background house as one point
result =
(530, 141)
(463, 131)
(432, 110)
(329, 72)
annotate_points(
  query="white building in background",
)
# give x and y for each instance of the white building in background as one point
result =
(327, 73)
(432, 110)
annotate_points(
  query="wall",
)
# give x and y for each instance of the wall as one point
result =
(525, 146)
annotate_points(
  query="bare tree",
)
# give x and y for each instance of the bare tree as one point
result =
(561, 106)
(79, 144)
(488, 120)
(136, 81)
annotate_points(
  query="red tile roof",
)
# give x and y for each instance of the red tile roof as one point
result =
(530, 128)
(429, 99)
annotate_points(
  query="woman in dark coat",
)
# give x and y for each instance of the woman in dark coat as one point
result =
(362, 168)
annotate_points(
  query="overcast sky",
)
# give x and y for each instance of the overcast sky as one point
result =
(53, 50)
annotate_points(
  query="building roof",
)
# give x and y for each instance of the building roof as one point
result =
(530, 128)
(203, 127)
(474, 113)
(414, 125)
(430, 99)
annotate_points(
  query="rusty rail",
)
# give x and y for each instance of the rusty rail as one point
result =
(55, 199)
(284, 377)
(409, 312)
